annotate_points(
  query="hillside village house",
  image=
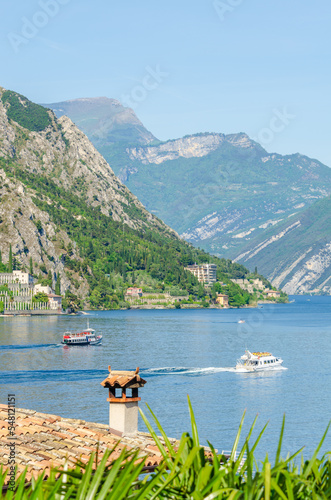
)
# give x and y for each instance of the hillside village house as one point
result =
(16, 277)
(273, 293)
(206, 273)
(134, 292)
(222, 299)
(22, 289)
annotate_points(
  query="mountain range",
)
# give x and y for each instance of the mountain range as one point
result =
(65, 216)
(223, 193)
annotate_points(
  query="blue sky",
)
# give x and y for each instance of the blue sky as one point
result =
(255, 66)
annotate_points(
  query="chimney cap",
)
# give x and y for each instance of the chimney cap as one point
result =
(123, 378)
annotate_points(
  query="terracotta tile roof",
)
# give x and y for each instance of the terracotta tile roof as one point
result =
(44, 440)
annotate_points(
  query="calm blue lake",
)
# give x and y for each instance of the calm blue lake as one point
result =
(182, 352)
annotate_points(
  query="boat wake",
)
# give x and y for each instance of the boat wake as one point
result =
(196, 372)
(17, 347)
(180, 370)
(29, 377)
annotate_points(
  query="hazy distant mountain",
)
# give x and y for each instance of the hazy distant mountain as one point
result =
(105, 121)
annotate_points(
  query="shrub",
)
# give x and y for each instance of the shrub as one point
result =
(26, 113)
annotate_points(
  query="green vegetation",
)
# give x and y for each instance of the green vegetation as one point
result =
(58, 285)
(31, 266)
(185, 473)
(10, 262)
(3, 267)
(40, 297)
(26, 113)
(71, 302)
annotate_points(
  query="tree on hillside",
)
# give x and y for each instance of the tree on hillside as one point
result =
(3, 267)
(10, 263)
(71, 302)
(40, 297)
(58, 285)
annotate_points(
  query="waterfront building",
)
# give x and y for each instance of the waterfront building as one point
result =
(273, 293)
(206, 273)
(55, 302)
(18, 291)
(222, 299)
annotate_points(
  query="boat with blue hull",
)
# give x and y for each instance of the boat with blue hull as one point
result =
(86, 337)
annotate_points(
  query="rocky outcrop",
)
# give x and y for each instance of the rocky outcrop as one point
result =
(33, 236)
(295, 254)
(194, 146)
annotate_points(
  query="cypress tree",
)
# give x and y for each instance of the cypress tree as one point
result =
(58, 285)
(10, 263)
(50, 278)
(31, 266)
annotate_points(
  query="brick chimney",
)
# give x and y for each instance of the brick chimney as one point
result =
(123, 400)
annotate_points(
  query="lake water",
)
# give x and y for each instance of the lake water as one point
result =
(182, 352)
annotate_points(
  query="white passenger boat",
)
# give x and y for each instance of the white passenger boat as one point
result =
(258, 361)
(86, 337)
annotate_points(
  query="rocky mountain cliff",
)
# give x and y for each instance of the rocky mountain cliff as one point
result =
(295, 254)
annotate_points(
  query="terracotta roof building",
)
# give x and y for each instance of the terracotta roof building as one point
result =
(43, 441)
